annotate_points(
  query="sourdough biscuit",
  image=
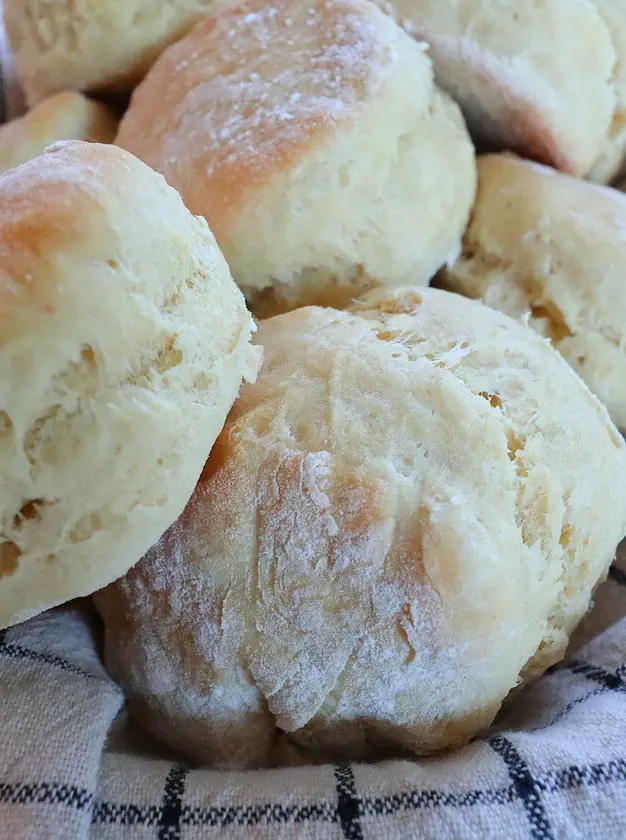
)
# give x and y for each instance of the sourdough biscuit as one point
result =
(552, 247)
(64, 116)
(313, 139)
(534, 77)
(392, 530)
(93, 45)
(123, 341)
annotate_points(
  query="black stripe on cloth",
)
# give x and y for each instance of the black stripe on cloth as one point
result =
(112, 813)
(597, 692)
(607, 681)
(109, 813)
(172, 808)
(597, 674)
(617, 575)
(348, 802)
(526, 788)
(418, 800)
(552, 782)
(45, 793)
(249, 816)
(577, 777)
(10, 650)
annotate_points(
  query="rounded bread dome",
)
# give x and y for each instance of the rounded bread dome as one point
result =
(538, 77)
(123, 342)
(93, 45)
(65, 116)
(313, 139)
(392, 527)
(550, 247)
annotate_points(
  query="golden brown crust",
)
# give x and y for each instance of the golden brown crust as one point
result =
(122, 345)
(292, 129)
(35, 225)
(254, 102)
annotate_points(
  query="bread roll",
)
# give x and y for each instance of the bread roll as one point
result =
(93, 45)
(64, 116)
(612, 160)
(314, 141)
(535, 77)
(544, 244)
(391, 528)
(123, 341)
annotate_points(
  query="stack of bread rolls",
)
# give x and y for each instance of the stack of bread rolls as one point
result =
(326, 504)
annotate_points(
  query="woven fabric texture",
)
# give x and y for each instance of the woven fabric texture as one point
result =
(71, 765)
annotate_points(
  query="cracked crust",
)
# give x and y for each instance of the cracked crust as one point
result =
(124, 340)
(392, 527)
(550, 247)
(292, 129)
(534, 77)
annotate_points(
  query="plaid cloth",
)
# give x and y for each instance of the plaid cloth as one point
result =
(72, 767)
